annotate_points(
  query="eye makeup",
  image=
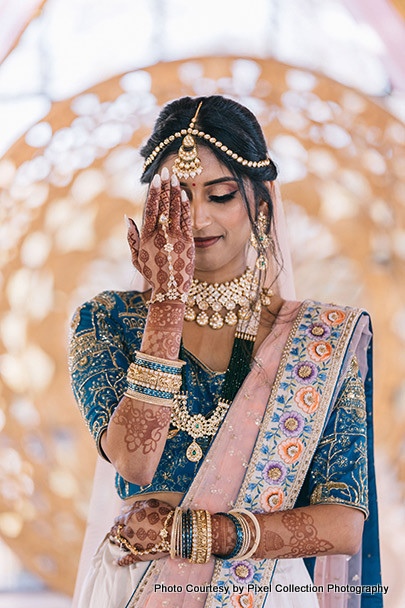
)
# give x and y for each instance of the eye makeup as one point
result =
(223, 198)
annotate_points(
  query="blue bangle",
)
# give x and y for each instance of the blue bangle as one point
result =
(183, 535)
(138, 388)
(189, 533)
(157, 366)
(239, 537)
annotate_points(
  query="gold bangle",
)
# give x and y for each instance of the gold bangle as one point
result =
(169, 362)
(201, 557)
(150, 399)
(256, 524)
(153, 379)
(194, 546)
(174, 548)
(209, 536)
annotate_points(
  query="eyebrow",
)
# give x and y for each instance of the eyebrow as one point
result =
(216, 181)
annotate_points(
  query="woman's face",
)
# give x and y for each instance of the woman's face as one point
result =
(220, 222)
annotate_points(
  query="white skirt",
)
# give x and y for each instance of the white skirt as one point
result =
(110, 586)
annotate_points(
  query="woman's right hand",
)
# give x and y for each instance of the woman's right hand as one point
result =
(147, 248)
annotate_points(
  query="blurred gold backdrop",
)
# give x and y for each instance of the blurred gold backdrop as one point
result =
(66, 186)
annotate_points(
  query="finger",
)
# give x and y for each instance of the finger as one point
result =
(185, 222)
(175, 204)
(152, 206)
(133, 240)
(164, 201)
(127, 560)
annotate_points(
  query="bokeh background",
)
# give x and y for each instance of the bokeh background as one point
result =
(81, 83)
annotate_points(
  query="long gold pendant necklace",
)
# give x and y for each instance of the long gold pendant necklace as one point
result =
(243, 294)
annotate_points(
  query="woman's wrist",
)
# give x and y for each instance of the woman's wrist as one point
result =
(223, 534)
(163, 329)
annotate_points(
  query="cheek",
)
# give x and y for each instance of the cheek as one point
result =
(236, 219)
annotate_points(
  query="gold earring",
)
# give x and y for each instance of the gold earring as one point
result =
(262, 242)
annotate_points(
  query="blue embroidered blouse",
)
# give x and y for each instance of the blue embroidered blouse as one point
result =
(106, 332)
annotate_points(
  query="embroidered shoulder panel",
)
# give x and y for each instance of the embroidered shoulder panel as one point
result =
(339, 469)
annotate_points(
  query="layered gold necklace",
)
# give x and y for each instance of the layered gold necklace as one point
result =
(234, 297)
(239, 299)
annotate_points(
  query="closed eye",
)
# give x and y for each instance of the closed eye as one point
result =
(222, 199)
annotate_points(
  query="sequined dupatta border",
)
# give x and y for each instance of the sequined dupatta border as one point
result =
(299, 405)
(313, 354)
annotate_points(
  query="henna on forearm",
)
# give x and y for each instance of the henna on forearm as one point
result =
(163, 329)
(272, 541)
(143, 424)
(290, 534)
(304, 540)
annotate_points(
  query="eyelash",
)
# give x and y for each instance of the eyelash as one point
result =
(224, 198)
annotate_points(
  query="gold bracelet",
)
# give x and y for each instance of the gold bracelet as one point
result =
(209, 536)
(169, 362)
(194, 546)
(201, 537)
(256, 524)
(164, 544)
(174, 541)
(153, 379)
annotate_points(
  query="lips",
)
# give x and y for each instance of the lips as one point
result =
(208, 241)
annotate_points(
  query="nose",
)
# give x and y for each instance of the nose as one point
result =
(200, 217)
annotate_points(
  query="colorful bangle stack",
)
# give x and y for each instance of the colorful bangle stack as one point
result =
(243, 534)
(191, 535)
(154, 380)
(240, 513)
(239, 536)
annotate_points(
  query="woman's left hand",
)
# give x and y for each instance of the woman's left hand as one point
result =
(141, 526)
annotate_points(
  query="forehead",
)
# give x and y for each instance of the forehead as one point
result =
(211, 165)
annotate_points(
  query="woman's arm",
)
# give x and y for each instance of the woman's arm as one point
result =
(137, 432)
(301, 532)
(136, 435)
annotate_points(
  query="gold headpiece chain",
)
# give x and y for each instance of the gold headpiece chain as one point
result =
(187, 164)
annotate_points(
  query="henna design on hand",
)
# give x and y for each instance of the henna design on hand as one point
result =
(147, 247)
(152, 513)
(143, 425)
(304, 539)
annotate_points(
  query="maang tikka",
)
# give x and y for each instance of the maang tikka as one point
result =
(187, 163)
(261, 242)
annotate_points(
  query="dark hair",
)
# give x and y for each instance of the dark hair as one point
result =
(230, 123)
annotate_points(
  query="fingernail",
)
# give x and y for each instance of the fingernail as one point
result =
(165, 173)
(174, 180)
(156, 180)
(184, 196)
(127, 221)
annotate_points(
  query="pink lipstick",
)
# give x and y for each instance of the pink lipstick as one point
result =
(205, 242)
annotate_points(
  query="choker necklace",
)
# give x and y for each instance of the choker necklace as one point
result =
(240, 292)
